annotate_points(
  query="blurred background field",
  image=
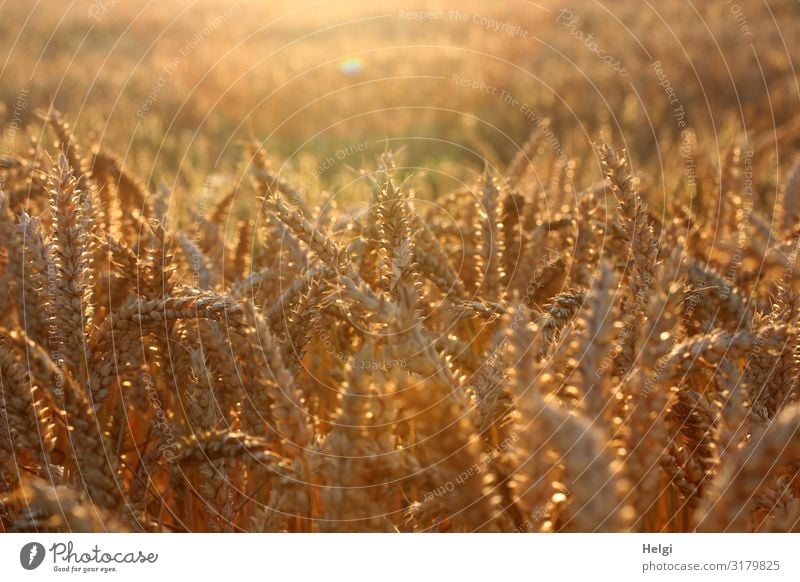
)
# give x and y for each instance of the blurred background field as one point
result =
(174, 88)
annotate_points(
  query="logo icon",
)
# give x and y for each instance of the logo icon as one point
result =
(31, 555)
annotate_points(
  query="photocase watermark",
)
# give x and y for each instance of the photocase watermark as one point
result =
(65, 558)
(101, 8)
(741, 19)
(638, 304)
(672, 97)
(53, 334)
(686, 147)
(786, 279)
(520, 312)
(509, 99)
(686, 151)
(15, 125)
(340, 155)
(472, 470)
(743, 230)
(168, 69)
(570, 21)
(378, 364)
(31, 555)
(192, 248)
(542, 512)
(486, 22)
(778, 304)
(330, 348)
(167, 446)
(95, 560)
(547, 258)
(503, 94)
(51, 290)
(678, 338)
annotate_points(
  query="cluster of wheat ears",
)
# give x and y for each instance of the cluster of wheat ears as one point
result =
(518, 357)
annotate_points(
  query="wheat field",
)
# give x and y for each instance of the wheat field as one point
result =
(497, 302)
